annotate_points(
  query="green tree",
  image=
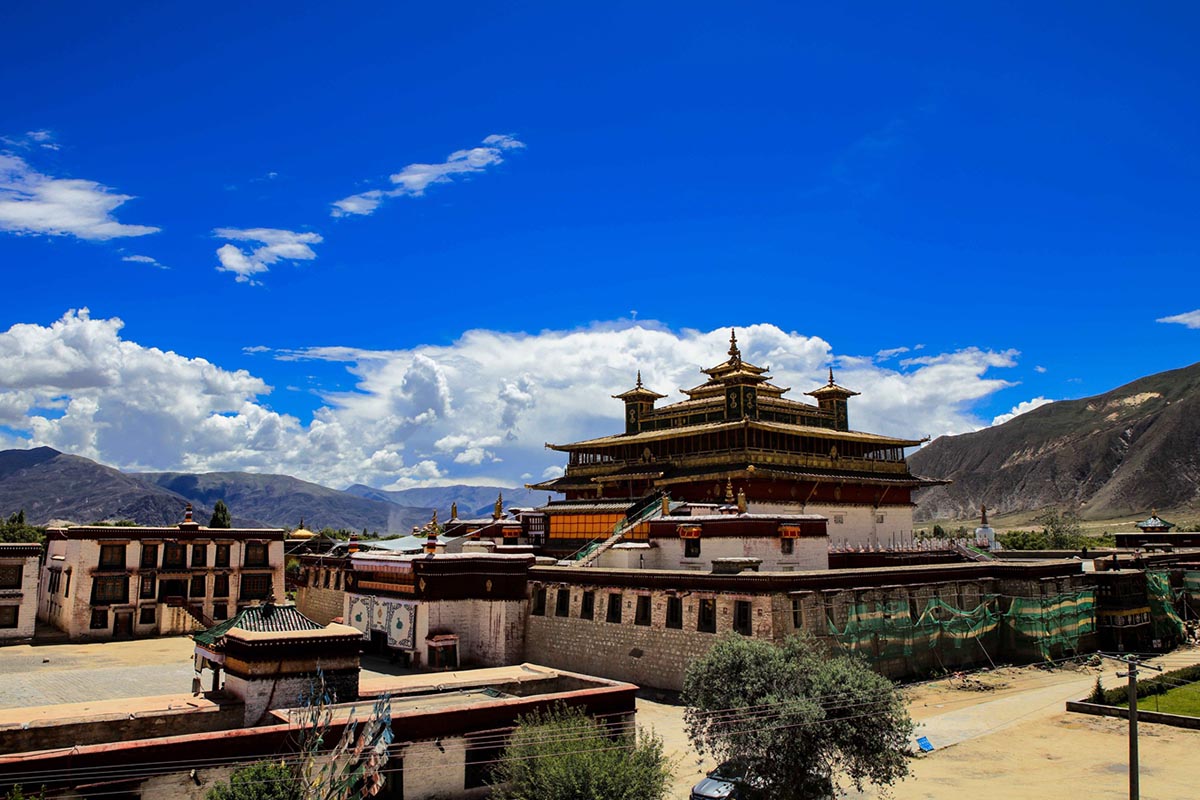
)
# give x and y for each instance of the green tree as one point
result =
(1062, 529)
(798, 718)
(220, 516)
(14, 530)
(562, 754)
(261, 781)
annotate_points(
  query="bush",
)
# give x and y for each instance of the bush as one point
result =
(263, 781)
(562, 754)
(1159, 684)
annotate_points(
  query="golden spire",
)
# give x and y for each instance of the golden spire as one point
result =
(831, 375)
(728, 490)
(741, 501)
(433, 520)
(639, 379)
(735, 355)
(498, 510)
(453, 512)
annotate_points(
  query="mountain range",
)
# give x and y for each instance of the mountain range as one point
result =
(1127, 451)
(58, 487)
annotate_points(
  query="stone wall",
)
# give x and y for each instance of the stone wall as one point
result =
(119, 727)
(647, 655)
(491, 633)
(319, 604)
(809, 552)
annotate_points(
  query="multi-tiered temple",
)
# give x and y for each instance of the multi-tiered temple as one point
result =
(737, 433)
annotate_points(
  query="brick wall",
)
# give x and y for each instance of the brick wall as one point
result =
(491, 632)
(25, 598)
(319, 604)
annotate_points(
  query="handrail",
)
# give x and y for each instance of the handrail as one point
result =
(652, 507)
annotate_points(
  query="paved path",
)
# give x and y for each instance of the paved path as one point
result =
(78, 673)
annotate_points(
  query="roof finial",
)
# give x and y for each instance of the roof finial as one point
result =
(733, 348)
(831, 375)
(639, 380)
(187, 513)
(454, 512)
(728, 490)
(983, 511)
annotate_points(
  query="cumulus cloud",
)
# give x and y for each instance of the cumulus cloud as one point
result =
(274, 245)
(414, 179)
(34, 203)
(43, 139)
(1021, 408)
(1191, 319)
(478, 410)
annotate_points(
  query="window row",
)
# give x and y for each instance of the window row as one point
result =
(147, 615)
(705, 619)
(111, 590)
(691, 547)
(175, 555)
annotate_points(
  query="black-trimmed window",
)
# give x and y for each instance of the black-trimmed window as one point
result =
(787, 546)
(641, 612)
(174, 555)
(146, 615)
(484, 753)
(256, 587)
(706, 615)
(220, 586)
(112, 556)
(539, 602)
(674, 612)
(9, 616)
(197, 587)
(256, 554)
(109, 590)
(220, 611)
(222, 555)
(562, 603)
(146, 587)
(587, 605)
(691, 548)
(199, 555)
(99, 619)
(797, 613)
(743, 621)
(614, 608)
(149, 556)
(11, 576)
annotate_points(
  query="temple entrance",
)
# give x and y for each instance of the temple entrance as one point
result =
(123, 625)
(172, 592)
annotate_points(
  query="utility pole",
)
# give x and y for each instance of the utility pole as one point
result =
(1131, 694)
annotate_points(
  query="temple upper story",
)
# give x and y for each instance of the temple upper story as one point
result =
(735, 423)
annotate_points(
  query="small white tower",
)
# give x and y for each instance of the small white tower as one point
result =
(984, 533)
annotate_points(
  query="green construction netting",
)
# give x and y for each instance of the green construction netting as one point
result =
(1049, 621)
(1162, 606)
(1191, 582)
(885, 630)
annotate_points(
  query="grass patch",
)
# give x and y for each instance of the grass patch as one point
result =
(1183, 700)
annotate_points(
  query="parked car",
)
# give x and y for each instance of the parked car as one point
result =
(734, 780)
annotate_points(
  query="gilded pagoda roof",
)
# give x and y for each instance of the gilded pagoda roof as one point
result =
(717, 427)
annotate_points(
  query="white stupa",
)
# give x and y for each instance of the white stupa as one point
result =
(985, 533)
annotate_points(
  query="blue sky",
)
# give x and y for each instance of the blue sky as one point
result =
(1013, 191)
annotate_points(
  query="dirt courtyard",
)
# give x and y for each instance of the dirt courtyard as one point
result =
(1004, 735)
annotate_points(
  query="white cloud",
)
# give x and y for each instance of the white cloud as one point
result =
(1021, 408)
(34, 203)
(274, 245)
(144, 260)
(1039, 369)
(41, 138)
(414, 179)
(891, 352)
(1191, 319)
(478, 410)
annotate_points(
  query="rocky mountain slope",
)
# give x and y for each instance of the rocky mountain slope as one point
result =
(473, 501)
(281, 500)
(1134, 448)
(50, 485)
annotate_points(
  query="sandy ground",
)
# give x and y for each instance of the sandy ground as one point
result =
(1005, 735)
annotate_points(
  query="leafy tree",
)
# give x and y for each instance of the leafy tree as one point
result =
(15, 530)
(1062, 529)
(220, 516)
(261, 781)
(17, 793)
(798, 718)
(562, 754)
